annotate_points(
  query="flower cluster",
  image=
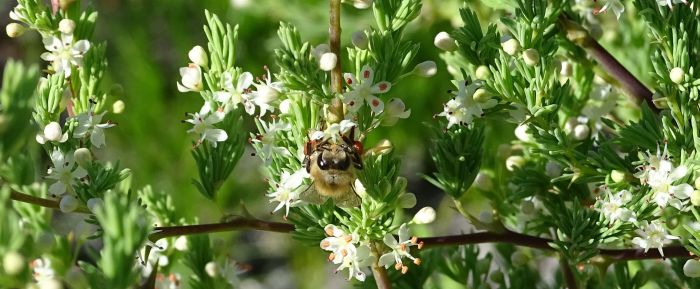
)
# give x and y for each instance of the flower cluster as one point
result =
(659, 173)
(347, 250)
(288, 190)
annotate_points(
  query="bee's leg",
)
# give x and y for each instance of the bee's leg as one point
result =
(307, 164)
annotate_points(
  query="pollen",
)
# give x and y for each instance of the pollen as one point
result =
(404, 269)
(398, 266)
(417, 261)
(325, 244)
(365, 74)
(348, 238)
(382, 86)
(331, 256)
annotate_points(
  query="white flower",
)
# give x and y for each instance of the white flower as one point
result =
(334, 131)
(616, 6)
(203, 122)
(661, 179)
(64, 172)
(89, 124)
(52, 132)
(63, 53)
(232, 95)
(191, 78)
(651, 162)
(355, 262)
(395, 109)
(670, 3)
(426, 215)
(171, 281)
(269, 138)
(266, 92)
(340, 244)
(42, 270)
(601, 102)
(364, 90)
(15, 30)
(399, 249)
(613, 206)
(462, 108)
(691, 268)
(288, 190)
(652, 235)
(345, 252)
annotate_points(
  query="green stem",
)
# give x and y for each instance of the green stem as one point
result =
(52, 204)
(380, 275)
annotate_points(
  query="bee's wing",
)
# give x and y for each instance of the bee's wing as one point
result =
(311, 195)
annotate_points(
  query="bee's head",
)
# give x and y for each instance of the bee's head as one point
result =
(333, 157)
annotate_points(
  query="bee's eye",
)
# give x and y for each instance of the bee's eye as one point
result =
(322, 163)
(342, 164)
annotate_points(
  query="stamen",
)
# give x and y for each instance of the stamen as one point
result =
(417, 261)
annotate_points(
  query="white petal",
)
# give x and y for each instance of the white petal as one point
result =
(57, 189)
(376, 104)
(216, 135)
(387, 260)
(244, 81)
(678, 173)
(404, 234)
(97, 138)
(682, 191)
(81, 46)
(52, 43)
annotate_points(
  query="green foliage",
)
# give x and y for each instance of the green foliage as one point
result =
(197, 258)
(298, 70)
(457, 154)
(215, 164)
(124, 231)
(18, 85)
(393, 15)
(578, 231)
(464, 265)
(476, 46)
(100, 179)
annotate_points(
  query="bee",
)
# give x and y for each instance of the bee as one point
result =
(332, 167)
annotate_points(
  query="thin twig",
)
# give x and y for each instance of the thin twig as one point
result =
(232, 225)
(629, 83)
(336, 108)
(569, 277)
(53, 204)
(507, 236)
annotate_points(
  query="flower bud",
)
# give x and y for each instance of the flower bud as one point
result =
(285, 106)
(83, 157)
(522, 134)
(425, 69)
(519, 258)
(66, 26)
(511, 46)
(13, 263)
(527, 207)
(118, 107)
(677, 75)
(198, 56)
(328, 61)
(531, 57)
(15, 30)
(552, 169)
(503, 151)
(319, 50)
(566, 69)
(581, 131)
(496, 276)
(360, 40)
(211, 269)
(695, 198)
(408, 200)
(483, 72)
(483, 182)
(53, 132)
(486, 216)
(426, 215)
(514, 162)
(68, 204)
(691, 268)
(445, 42)
(94, 203)
(481, 95)
(617, 176)
(362, 4)
(181, 243)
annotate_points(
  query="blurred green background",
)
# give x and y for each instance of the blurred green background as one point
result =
(148, 41)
